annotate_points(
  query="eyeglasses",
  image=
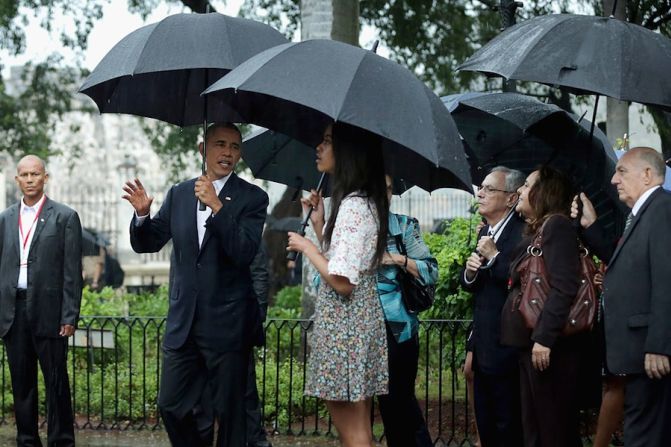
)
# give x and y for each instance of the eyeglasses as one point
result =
(489, 190)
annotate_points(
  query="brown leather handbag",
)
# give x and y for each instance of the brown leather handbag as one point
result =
(535, 288)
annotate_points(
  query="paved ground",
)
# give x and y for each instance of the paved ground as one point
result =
(92, 438)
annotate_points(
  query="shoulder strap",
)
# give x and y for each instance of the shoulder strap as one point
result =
(538, 238)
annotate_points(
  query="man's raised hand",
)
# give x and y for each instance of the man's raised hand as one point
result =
(137, 197)
(587, 214)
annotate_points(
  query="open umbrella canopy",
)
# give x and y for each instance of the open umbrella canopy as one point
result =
(158, 71)
(587, 54)
(521, 132)
(298, 88)
(283, 224)
(279, 158)
(92, 241)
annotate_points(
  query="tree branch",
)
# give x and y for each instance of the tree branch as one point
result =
(658, 23)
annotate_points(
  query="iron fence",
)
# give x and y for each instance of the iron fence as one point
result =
(114, 365)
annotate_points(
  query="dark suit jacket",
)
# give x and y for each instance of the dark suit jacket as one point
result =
(637, 286)
(211, 286)
(561, 256)
(490, 290)
(261, 279)
(54, 269)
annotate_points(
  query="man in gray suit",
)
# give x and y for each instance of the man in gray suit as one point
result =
(40, 294)
(637, 295)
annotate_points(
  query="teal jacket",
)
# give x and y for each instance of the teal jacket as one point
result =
(403, 325)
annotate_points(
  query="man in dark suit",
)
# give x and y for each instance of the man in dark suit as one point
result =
(40, 294)
(637, 295)
(256, 433)
(213, 318)
(495, 367)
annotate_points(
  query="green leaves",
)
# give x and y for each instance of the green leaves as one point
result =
(451, 250)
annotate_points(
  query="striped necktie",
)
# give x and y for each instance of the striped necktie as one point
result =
(627, 223)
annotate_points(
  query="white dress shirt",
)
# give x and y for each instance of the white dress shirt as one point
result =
(201, 216)
(641, 200)
(29, 218)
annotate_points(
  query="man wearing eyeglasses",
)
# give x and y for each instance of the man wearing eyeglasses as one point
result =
(495, 373)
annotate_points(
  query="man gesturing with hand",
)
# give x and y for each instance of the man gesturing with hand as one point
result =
(213, 318)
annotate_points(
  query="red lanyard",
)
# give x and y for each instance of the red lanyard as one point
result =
(39, 211)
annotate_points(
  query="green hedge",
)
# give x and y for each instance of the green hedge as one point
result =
(111, 383)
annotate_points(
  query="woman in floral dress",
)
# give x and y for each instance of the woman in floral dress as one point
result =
(348, 358)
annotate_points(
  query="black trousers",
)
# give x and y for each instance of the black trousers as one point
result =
(549, 399)
(204, 411)
(186, 372)
(24, 350)
(647, 411)
(404, 425)
(497, 407)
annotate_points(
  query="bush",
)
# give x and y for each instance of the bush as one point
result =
(451, 250)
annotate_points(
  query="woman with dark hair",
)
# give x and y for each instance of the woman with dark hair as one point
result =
(348, 357)
(548, 361)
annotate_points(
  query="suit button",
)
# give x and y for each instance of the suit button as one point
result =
(198, 265)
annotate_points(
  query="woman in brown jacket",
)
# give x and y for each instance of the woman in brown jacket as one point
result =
(548, 361)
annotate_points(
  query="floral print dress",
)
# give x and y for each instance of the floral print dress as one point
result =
(348, 357)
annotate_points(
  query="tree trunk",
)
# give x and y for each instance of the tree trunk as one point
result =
(617, 112)
(330, 19)
(663, 122)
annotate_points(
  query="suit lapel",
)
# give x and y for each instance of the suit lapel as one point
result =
(42, 220)
(506, 232)
(225, 195)
(13, 228)
(192, 207)
(633, 224)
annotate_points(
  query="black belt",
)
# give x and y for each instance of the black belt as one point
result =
(21, 294)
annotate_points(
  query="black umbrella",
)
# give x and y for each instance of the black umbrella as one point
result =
(92, 241)
(276, 157)
(298, 88)
(587, 54)
(284, 224)
(158, 71)
(521, 132)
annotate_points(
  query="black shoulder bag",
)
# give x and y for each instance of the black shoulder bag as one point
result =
(416, 297)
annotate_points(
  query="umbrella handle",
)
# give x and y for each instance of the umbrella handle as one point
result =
(293, 254)
(203, 166)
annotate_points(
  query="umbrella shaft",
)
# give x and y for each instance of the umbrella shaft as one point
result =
(292, 255)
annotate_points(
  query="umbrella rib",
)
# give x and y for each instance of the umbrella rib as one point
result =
(346, 97)
(436, 154)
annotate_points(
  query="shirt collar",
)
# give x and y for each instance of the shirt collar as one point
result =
(33, 208)
(497, 229)
(394, 225)
(219, 183)
(641, 200)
